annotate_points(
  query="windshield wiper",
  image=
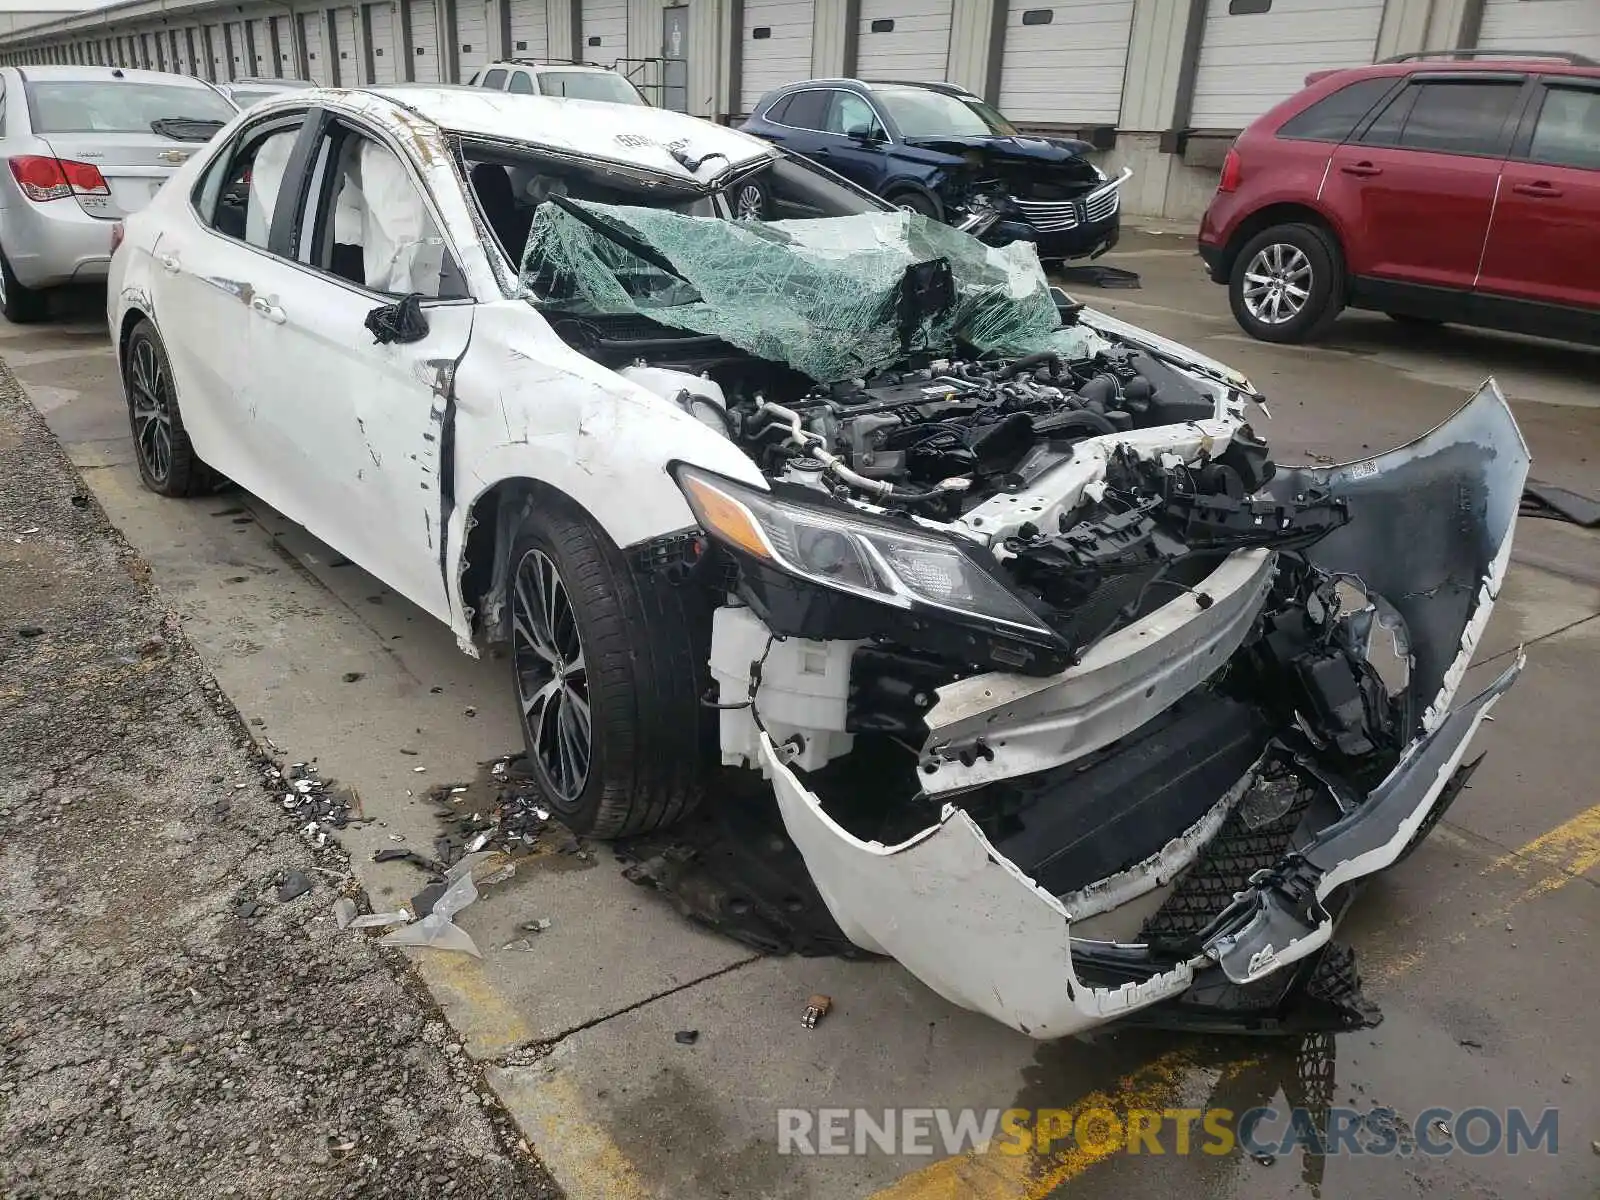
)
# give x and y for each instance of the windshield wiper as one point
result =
(186, 129)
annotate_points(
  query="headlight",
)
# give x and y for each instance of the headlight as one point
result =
(865, 557)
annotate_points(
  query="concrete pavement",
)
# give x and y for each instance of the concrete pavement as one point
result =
(1475, 947)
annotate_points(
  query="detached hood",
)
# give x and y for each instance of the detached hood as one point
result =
(1016, 146)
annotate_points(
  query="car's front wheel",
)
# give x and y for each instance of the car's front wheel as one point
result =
(918, 203)
(1287, 284)
(21, 305)
(168, 464)
(608, 665)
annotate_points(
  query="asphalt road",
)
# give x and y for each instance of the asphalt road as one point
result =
(1478, 948)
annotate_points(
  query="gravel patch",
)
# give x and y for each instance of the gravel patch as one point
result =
(180, 1014)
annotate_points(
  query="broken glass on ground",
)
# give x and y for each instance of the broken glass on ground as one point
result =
(438, 929)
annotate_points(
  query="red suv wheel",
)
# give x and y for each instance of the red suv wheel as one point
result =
(1287, 284)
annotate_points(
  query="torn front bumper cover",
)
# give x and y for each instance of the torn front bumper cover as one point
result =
(979, 931)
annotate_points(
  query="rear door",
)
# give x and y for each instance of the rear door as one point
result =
(1544, 242)
(207, 261)
(133, 130)
(1414, 190)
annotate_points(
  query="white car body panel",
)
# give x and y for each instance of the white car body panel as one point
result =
(358, 464)
(385, 451)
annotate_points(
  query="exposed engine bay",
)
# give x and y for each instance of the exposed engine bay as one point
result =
(1072, 700)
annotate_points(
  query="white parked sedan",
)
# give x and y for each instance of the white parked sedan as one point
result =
(1068, 697)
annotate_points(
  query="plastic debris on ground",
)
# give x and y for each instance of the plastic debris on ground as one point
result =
(816, 1008)
(500, 810)
(344, 911)
(438, 930)
(319, 805)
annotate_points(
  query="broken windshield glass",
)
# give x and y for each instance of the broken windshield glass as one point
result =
(828, 297)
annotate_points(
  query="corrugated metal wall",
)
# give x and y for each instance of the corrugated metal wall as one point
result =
(1049, 63)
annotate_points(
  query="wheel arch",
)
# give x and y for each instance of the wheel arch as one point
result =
(490, 525)
(1290, 213)
(130, 322)
(902, 186)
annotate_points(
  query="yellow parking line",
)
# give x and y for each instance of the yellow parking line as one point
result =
(977, 1175)
(1548, 862)
(1553, 859)
(1562, 855)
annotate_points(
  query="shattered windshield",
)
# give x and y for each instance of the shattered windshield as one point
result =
(834, 298)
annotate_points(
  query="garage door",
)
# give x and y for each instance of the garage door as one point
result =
(530, 29)
(346, 54)
(257, 53)
(1254, 54)
(605, 31)
(238, 52)
(903, 39)
(777, 46)
(285, 67)
(189, 50)
(472, 36)
(1541, 25)
(424, 53)
(1064, 62)
(316, 53)
(380, 18)
(216, 52)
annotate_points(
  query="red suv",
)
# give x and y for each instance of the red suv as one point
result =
(1465, 191)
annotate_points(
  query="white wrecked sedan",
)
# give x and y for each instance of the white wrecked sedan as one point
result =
(1067, 697)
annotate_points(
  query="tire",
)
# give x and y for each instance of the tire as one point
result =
(918, 203)
(168, 464)
(644, 655)
(750, 201)
(1289, 257)
(21, 305)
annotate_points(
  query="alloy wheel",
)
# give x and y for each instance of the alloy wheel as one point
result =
(552, 679)
(152, 410)
(749, 205)
(1277, 283)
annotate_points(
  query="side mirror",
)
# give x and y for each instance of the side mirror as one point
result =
(867, 135)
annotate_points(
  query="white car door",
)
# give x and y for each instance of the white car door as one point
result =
(357, 430)
(208, 258)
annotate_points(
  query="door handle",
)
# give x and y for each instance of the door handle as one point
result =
(1538, 190)
(1362, 170)
(268, 310)
(169, 263)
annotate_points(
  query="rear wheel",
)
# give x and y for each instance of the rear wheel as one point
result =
(1287, 284)
(609, 666)
(21, 305)
(168, 464)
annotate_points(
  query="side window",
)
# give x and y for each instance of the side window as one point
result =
(495, 79)
(1333, 117)
(776, 112)
(521, 83)
(807, 110)
(372, 225)
(1454, 117)
(238, 194)
(1568, 132)
(849, 113)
